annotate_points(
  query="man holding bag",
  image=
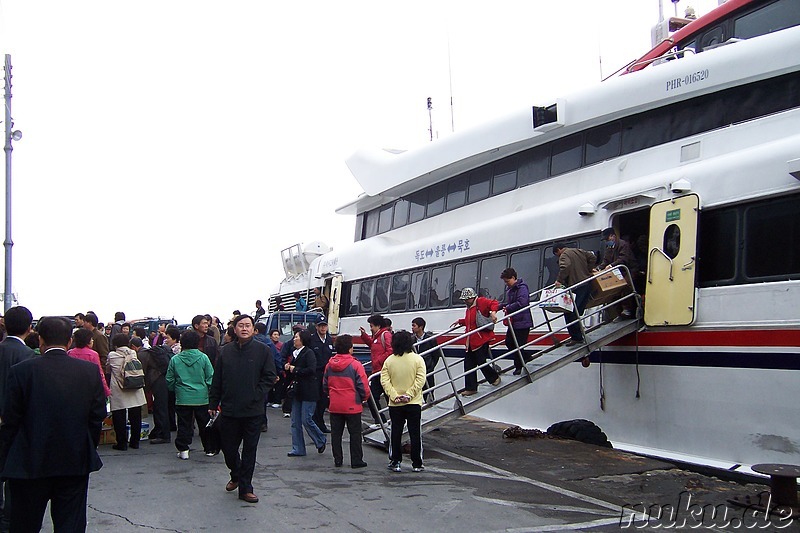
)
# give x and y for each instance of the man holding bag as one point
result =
(574, 265)
(477, 343)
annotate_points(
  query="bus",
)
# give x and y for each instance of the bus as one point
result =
(696, 162)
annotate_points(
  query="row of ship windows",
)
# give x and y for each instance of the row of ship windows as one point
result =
(753, 242)
(620, 137)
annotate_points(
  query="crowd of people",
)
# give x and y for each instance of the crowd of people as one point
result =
(59, 381)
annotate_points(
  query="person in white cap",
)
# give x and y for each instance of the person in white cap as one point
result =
(477, 343)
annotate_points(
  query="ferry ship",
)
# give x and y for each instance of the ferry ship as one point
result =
(693, 154)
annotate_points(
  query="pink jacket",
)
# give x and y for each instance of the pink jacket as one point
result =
(87, 354)
(380, 347)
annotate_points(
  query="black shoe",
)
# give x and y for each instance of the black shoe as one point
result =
(120, 447)
(517, 372)
(321, 449)
(337, 464)
(133, 445)
(358, 465)
(159, 441)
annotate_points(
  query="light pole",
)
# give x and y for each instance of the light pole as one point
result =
(11, 135)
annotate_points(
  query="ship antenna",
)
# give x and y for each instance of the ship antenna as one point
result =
(430, 117)
(450, 76)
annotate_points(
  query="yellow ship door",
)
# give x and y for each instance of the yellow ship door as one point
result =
(670, 293)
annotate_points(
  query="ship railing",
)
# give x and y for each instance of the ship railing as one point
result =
(545, 342)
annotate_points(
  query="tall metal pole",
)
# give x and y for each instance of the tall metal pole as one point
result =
(8, 298)
(430, 117)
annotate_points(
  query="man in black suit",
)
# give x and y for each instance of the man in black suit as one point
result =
(322, 345)
(12, 350)
(54, 410)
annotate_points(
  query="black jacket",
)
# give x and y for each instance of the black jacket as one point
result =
(323, 350)
(210, 348)
(431, 359)
(12, 351)
(305, 374)
(52, 420)
(242, 377)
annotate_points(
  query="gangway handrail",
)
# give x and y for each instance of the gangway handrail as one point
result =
(517, 351)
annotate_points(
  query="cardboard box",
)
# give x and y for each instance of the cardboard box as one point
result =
(109, 436)
(607, 287)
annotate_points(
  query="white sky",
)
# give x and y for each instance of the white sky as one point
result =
(172, 148)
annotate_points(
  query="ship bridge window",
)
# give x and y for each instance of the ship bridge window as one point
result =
(371, 223)
(399, 292)
(456, 192)
(385, 219)
(382, 295)
(603, 142)
(466, 276)
(773, 17)
(441, 279)
(533, 166)
(491, 285)
(712, 37)
(418, 292)
(480, 181)
(417, 202)
(567, 154)
(436, 196)
(400, 213)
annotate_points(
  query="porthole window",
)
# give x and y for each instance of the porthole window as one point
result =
(672, 241)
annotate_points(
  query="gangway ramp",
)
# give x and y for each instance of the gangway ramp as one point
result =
(545, 361)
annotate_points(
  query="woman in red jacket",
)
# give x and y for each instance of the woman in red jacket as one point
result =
(380, 348)
(345, 383)
(477, 344)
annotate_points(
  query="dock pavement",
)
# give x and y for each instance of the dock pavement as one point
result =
(475, 480)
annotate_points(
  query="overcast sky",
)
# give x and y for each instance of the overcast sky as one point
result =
(171, 149)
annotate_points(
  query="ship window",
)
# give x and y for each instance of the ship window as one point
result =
(436, 196)
(768, 19)
(527, 266)
(418, 292)
(365, 296)
(417, 206)
(466, 276)
(672, 241)
(371, 223)
(712, 37)
(772, 237)
(382, 295)
(480, 181)
(567, 154)
(533, 165)
(400, 213)
(399, 292)
(456, 192)
(505, 175)
(385, 219)
(441, 279)
(717, 246)
(352, 309)
(360, 226)
(491, 286)
(603, 142)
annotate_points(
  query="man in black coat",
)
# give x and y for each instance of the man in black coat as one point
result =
(322, 346)
(51, 427)
(155, 361)
(243, 375)
(12, 350)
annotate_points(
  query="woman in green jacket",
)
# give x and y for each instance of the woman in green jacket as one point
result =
(189, 376)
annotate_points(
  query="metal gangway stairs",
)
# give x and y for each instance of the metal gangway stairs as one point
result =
(543, 354)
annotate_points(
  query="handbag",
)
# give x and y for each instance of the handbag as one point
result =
(556, 300)
(291, 389)
(482, 320)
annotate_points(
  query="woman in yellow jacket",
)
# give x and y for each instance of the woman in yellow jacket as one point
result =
(403, 378)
